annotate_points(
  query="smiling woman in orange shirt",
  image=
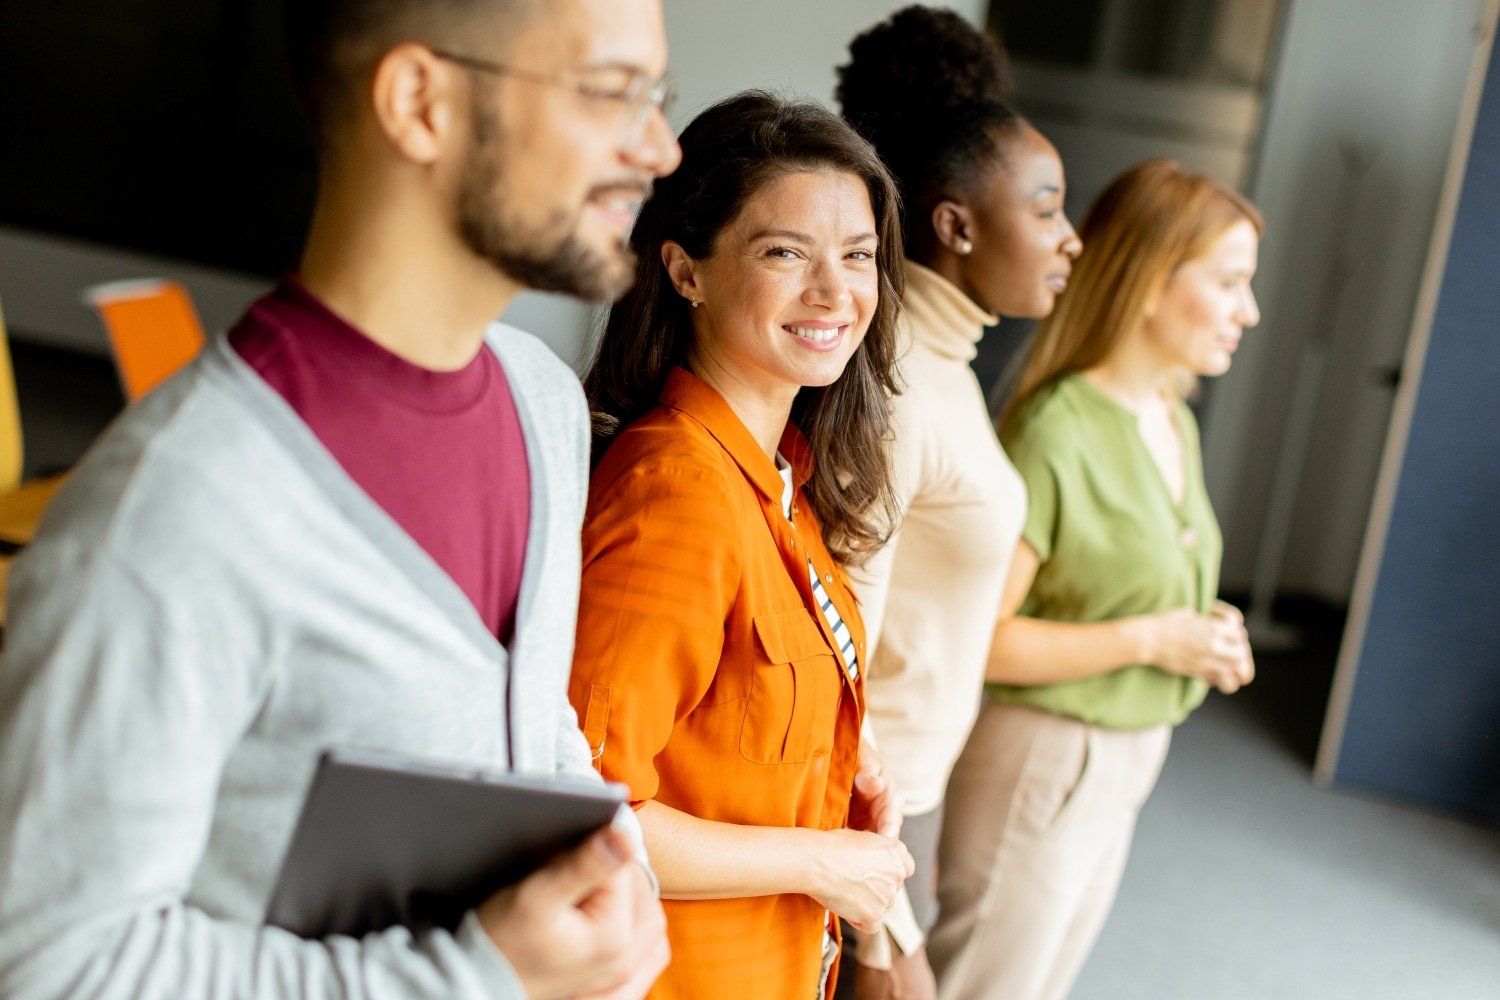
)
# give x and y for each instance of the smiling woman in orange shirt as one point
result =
(740, 393)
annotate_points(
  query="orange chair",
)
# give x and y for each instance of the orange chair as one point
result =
(153, 329)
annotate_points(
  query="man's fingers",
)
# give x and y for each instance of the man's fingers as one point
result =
(649, 964)
(656, 961)
(584, 870)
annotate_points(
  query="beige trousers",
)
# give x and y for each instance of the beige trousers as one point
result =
(1040, 812)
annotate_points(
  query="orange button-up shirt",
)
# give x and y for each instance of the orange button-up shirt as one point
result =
(706, 678)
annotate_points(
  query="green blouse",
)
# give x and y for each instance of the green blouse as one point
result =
(1112, 543)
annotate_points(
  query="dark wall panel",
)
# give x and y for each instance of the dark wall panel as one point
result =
(160, 125)
(1424, 720)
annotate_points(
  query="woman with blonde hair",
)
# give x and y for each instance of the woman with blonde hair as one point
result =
(1109, 632)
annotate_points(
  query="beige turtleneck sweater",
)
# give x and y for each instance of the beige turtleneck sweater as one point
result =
(931, 595)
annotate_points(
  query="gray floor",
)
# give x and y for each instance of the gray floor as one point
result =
(1248, 882)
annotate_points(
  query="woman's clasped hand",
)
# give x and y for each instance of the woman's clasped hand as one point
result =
(1212, 647)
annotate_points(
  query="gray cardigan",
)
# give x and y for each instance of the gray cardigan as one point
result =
(210, 602)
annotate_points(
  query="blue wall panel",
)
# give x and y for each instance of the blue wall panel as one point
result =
(1424, 720)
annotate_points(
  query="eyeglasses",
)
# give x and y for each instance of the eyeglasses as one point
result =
(639, 97)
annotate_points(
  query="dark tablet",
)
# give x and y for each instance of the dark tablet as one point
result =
(383, 840)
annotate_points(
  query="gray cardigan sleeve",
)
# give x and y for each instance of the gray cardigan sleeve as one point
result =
(117, 713)
(574, 756)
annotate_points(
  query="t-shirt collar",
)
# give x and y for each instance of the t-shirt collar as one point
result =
(330, 339)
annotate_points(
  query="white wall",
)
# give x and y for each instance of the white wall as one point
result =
(722, 46)
(1385, 77)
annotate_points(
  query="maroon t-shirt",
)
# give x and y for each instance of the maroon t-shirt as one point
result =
(441, 452)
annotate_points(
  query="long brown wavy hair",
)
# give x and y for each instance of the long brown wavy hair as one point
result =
(729, 153)
(1153, 218)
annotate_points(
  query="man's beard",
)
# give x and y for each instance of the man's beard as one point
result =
(548, 257)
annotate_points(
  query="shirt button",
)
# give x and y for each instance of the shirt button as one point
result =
(827, 577)
(796, 509)
(1188, 539)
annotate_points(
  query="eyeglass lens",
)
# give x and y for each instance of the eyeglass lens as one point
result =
(648, 96)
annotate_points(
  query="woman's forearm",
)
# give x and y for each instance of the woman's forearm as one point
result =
(702, 859)
(1033, 651)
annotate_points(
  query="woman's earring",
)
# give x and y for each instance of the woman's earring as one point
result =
(965, 248)
(695, 303)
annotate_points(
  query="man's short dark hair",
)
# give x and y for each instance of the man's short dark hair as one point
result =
(332, 44)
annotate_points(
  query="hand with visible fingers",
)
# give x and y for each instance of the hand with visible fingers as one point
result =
(588, 924)
(1244, 671)
(876, 806)
(856, 875)
(649, 946)
(1213, 647)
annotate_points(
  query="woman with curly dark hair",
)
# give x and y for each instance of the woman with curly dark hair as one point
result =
(740, 394)
(985, 236)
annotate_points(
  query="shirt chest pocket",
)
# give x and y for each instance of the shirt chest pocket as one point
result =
(794, 690)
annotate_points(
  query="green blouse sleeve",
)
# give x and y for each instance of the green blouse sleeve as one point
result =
(1040, 530)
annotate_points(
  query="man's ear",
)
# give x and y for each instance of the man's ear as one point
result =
(416, 97)
(953, 222)
(683, 272)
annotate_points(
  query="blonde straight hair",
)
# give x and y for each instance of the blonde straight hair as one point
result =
(1152, 219)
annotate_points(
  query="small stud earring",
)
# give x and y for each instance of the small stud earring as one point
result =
(695, 303)
(965, 248)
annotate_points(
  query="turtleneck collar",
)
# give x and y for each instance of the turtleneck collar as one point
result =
(940, 316)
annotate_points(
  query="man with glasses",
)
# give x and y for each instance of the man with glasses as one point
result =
(351, 522)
